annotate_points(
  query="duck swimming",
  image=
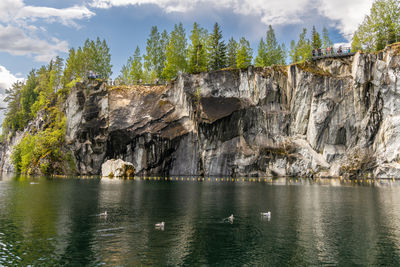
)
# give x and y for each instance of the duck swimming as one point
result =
(160, 225)
(103, 213)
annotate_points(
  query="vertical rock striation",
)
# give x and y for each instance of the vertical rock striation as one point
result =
(327, 117)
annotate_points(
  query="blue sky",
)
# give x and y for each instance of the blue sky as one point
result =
(34, 31)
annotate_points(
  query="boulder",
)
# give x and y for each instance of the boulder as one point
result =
(117, 168)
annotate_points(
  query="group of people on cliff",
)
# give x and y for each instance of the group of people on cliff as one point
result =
(331, 51)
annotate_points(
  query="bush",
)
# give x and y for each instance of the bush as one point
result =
(40, 152)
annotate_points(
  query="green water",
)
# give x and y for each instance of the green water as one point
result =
(55, 222)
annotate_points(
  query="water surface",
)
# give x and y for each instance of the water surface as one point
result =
(56, 222)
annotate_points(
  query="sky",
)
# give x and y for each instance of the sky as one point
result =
(32, 32)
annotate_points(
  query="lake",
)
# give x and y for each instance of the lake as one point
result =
(58, 221)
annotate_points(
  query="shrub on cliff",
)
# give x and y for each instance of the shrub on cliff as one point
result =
(41, 152)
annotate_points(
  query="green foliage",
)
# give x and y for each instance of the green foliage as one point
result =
(132, 72)
(326, 41)
(197, 53)
(43, 149)
(244, 54)
(93, 56)
(232, 53)
(316, 42)
(216, 49)
(269, 52)
(380, 28)
(302, 50)
(136, 67)
(155, 52)
(50, 80)
(261, 58)
(176, 52)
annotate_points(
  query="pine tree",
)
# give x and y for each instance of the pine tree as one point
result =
(136, 68)
(293, 52)
(153, 51)
(176, 52)
(197, 54)
(304, 46)
(326, 41)
(232, 48)
(164, 41)
(125, 74)
(275, 54)
(70, 70)
(105, 60)
(261, 58)
(269, 52)
(302, 50)
(244, 54)
(380, 28)
(216, 49)
(315, 39)
(94, 56)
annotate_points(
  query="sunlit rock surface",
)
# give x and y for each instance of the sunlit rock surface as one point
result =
(117, 168)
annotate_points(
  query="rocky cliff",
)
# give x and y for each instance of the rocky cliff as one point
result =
(324, 118)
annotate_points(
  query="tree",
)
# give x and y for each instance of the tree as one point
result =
(261, 58)
(231, 53)
(269, 52)
(164, 41)
(13, 116)
(294, 55)
(304, 46)
(244, 54)
(153, 52)
(103, 59)
(70, 69)
(326, 41)
(275, 54)
(316, 42)
(93, 56)
(380, 28)
(125, 74)
(216, 49)
(197, 53)
(136, 66)
(176, 52)
(302, 50)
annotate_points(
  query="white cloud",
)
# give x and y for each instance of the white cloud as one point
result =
(6, 79)
(346, 14)
(15, 41)
(14, 10)
(270, 12)
(19, 35)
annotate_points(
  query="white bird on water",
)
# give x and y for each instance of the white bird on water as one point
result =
(103, 213)
(230, 218)
(160, 225)
(266, 214)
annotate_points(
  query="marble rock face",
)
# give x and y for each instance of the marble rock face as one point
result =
(305, 119)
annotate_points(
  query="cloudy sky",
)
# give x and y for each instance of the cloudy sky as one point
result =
(34, 31)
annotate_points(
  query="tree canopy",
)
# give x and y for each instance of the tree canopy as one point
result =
(175, 54)
(270, 52)
(197, 51)
(216, 49)
(379, 28)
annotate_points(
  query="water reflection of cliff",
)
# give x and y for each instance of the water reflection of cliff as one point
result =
(312, 223)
